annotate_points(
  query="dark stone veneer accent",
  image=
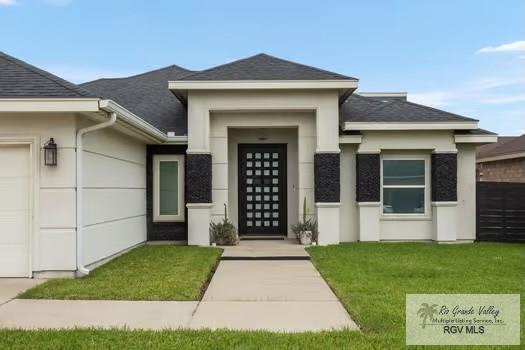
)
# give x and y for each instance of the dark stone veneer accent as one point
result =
(444, 177)
(368, 178)
(161, 231)
(198, 178)
(327, 177)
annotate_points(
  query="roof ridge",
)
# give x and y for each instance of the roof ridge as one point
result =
(262, 54)
(307, 66)
(140, 74)
(47, 75)
(222, 65)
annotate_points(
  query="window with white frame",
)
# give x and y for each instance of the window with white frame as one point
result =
(168, 188)
(404, 185)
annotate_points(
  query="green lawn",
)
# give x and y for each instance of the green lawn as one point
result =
(151, 272)
(371, 280)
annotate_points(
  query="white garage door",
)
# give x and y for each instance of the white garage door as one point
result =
(14, 210)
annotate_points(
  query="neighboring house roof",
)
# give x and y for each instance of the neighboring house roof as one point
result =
(506, 146)
(358, 108)
(264, 67)
(147, 96)
(22, 80)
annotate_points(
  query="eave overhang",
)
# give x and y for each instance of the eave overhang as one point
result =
(460, 125)
(344, 87)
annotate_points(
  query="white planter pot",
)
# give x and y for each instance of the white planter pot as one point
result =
(305, 237)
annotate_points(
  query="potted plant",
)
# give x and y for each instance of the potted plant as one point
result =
(224, 232)
(306, 230)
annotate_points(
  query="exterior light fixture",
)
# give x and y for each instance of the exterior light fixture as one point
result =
(50, 153)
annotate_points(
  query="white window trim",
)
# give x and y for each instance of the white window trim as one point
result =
(156, 198)
(416, 216)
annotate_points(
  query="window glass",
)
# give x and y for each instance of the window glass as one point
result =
(169, 188)
(403, 172)
(404, 200)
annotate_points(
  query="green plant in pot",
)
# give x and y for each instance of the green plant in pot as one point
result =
(306, 230)
(224, 232)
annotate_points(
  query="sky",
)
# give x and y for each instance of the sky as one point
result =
(462, 56)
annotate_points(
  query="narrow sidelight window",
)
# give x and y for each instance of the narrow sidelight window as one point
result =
(404, 183)
(168, 188)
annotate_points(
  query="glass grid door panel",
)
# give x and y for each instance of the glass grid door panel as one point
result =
(262, 189)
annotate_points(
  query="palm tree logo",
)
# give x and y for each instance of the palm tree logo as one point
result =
(426, 311)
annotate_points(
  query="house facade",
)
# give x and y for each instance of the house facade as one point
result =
(159, 155)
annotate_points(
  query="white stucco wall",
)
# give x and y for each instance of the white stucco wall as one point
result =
(466, 210)
(53, 237)
(349, 219)
(114, 208)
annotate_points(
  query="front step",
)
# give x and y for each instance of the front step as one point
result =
(262, 237)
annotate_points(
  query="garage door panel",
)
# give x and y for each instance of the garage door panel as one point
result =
(11, 223)
(14, 194)
(17, 159)
(13, 260)
(14, 211)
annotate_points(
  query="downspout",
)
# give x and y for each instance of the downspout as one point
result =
(81, 269)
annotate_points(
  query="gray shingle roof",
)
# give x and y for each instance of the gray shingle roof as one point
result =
(370, 109)
(265, 67)
(19, 79)
(147, 96)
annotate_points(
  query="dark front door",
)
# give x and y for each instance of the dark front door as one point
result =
(262, 189)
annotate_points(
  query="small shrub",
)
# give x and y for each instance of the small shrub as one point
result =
(308, 224)
(224, 232)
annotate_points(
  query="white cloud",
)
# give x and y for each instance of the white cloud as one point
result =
(504, 99)
(481, 90)
(516, 46)
(8, 2)
(492, 83)
(83, 74)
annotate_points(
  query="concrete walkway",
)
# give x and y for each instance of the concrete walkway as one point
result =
(273, 295)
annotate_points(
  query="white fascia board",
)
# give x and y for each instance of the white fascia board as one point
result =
(475, 138)
(133, 120)
(262, 84)
(411, 126)
(502, 157)
(49, 105)
(177, 140)
(350, 139)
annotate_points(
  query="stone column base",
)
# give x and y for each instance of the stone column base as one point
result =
(444, 219)
(369, 213)
(199, 216)
(328, 223)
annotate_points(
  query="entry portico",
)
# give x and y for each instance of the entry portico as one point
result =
(307, 120)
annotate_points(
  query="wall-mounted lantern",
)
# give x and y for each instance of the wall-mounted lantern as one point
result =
(50, 153)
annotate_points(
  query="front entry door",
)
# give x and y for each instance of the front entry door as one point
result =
(262, 189)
